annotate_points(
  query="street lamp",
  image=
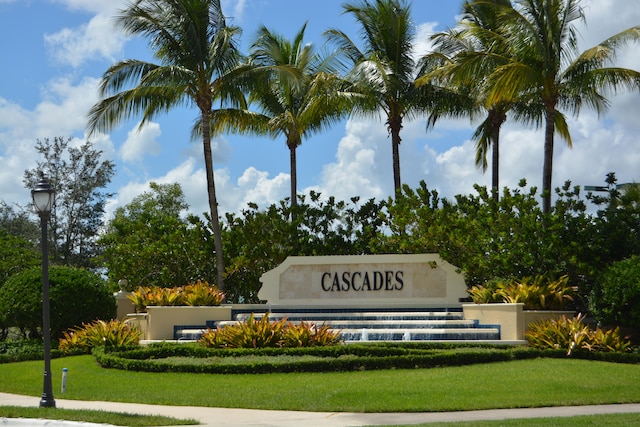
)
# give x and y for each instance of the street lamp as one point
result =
(43, 197)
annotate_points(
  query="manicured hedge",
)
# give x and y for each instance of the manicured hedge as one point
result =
(336, 358)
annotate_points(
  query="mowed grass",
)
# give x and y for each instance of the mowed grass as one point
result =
(526, 383)
(98, 417)
(610, 420)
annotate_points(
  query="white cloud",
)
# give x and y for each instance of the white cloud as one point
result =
(599, 147)
(95, 40)
(423, 43)
(234, 9)
(255, 186)
(605, 18)
(61, 112)
(94, 6)
(11, 175)
(359, 166)
(15, 123)
(141, 142)
(63, 109)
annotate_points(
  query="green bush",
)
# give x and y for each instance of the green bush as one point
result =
(199, 293)
(100, 333)
(186, 358)
(617, 300)
(21, 350)
(573, 335)
(76, 296)
(537, 293)
(166, 357)
(263, 333)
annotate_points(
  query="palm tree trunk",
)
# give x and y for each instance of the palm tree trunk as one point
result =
(395, 124)
(396, 165)
(294, 174)
(213, 201)
(497, 118)
(495, 164)
(547, 167)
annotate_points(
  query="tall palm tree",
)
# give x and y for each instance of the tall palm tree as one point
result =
(197, 53)
(384, 72)
(544, 65)
(467, 54)
(455, 62)
(295, 89)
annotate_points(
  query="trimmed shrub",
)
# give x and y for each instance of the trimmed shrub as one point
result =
(166, 357)
(617, 300)
(76, 296)
(186, 358)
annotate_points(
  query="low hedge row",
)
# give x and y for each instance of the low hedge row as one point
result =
(338, 358)
(370, 356)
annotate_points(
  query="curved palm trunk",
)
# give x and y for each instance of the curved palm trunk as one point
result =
(213, 201)
(547, 167)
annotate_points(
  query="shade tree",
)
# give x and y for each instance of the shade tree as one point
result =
(80, 176)
(152, 241)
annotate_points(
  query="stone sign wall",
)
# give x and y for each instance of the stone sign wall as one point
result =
(374, 280)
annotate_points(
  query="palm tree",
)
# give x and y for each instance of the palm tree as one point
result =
(385, 71)
(464, 57)
(456, 63)
(197, 54)
(543, 64)
(295, 89)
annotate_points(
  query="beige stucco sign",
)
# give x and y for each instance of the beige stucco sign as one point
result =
(423, 279)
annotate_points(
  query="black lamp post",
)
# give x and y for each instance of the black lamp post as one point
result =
(43, 197)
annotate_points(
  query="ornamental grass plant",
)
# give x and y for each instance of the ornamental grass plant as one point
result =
(100, 333)
(572, 335)
(536, 293)
(264, 333)
(200, 293)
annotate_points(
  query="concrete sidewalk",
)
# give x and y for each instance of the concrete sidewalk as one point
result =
(222, 417)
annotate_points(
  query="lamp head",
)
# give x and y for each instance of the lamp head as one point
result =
(43, 196)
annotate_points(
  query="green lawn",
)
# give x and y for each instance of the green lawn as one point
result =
(613, 420)
(526, 383)
(98, 417)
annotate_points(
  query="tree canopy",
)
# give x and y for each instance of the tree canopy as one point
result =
(79, 175)
(152, 241)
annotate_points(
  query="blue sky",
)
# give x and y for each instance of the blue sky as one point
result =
(54, 52)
